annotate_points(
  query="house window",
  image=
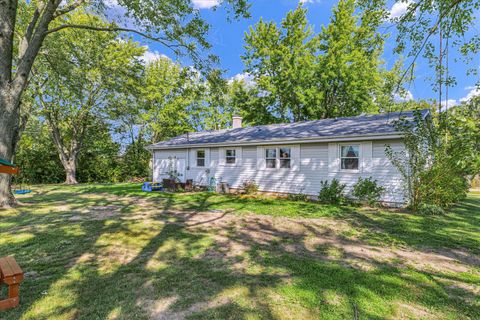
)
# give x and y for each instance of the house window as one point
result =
(271, 158)
(278, 158)
(349, 157)
(200, 158)
(285, 157)
(230, 156)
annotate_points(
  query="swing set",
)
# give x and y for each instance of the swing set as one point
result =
(9, 168)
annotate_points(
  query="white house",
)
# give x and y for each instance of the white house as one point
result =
(289, 158)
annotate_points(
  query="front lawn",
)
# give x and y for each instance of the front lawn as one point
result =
(114, 252)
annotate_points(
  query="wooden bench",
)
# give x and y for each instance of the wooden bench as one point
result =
(11, 274)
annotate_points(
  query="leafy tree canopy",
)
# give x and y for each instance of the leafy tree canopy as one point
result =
(300, 75)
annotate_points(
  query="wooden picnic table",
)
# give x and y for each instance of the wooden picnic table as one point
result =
(12, 275)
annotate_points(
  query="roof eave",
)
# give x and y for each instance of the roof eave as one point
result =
(371, 136)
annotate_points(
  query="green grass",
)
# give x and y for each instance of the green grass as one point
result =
(114, 252)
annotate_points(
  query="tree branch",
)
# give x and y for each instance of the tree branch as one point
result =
(433, 29)
(163, 41)
(26, 62)
(69, 8)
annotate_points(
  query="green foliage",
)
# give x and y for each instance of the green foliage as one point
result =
(72, 107)
(168, 97)
(461, 132)
(442, 184)
(331, 192)
(39, 161)
(176, 24)
(420, 26)
(441, 153)
(99, 159)
(282, 64)
(37, 157)
(420, 139)
(173, 173)
(215, 111)
(430, 209)
(135, 162)
(367, 190)
(350, 74)
(298, 197)
(250, 186)
(300, 75)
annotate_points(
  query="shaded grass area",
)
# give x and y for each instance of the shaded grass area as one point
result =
(114, 252)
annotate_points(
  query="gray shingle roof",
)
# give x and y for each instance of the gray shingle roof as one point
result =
(364, 125)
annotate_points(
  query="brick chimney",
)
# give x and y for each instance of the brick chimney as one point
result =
(236, 122)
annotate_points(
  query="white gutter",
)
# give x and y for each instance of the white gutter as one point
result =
(377, 136)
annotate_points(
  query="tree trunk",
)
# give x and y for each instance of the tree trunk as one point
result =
(9, 126)
(70, 171)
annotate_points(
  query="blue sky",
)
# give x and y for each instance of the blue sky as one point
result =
(227, 41)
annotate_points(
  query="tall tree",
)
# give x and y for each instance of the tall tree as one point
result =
(216, 112)
(25, 25)
(301, 76)
(69, 103)
(169, 95)
(349, 70)
(281, 60)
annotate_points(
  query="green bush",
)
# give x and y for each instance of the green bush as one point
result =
(367, 190)
(430, 209)
(441, 154)
(331, 192)
(442, 185)
(250, 186)
(298, 197)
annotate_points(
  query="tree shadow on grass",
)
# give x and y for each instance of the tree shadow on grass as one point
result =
(176, 276)
(183, 271)
(457, 230)
(46, 242)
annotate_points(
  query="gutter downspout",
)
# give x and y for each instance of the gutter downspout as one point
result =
(153, 163)
(188, 156)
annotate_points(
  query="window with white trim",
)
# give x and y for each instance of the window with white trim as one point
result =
(230, 156)
(271, 158)
(349, 157)
(278, 158)
(200, 158)
(285, 157)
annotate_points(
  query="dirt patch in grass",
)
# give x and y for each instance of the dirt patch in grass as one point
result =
(413, 311)
(155, 256)
(163, 309)
(236, 234)
(97, 213)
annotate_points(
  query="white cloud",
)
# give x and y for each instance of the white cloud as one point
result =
(447, 104)
(243, 77)
(309, 1)
(205, 4)
(474, 91)
(399, 9)
(150, 56)
(404, 96)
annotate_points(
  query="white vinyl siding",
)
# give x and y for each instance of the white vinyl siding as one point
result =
(310, 163)
(193, 155)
